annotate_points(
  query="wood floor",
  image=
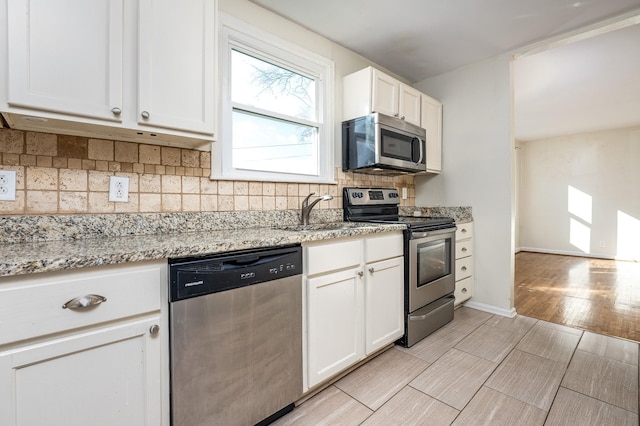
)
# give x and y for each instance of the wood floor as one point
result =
(598, 295)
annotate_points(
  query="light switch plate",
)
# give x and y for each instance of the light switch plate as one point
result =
(7, 185)
(119, 189)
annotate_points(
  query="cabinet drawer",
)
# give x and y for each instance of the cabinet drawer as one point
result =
(32, 307)
(464, 248)
(464, 268)
(384, 246)
(464, 290)
(465, 230)
(325, 257)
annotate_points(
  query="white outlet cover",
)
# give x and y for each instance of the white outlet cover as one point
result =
(7, 185)
(119, 189)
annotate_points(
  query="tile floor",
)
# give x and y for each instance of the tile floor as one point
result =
(482, 369)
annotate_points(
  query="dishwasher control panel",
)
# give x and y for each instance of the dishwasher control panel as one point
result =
(196, 276)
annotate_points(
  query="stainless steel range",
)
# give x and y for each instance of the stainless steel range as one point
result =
(429, 253)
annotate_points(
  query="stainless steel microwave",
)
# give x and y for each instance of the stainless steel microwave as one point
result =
(380, 144)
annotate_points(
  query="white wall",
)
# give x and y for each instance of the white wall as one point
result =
(477, 169)
(587, 180)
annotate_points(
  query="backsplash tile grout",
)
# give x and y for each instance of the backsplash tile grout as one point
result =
(60, 174)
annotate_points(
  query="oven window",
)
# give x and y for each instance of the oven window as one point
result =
(434, 261)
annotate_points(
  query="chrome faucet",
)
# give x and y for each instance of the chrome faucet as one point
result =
(306, 207)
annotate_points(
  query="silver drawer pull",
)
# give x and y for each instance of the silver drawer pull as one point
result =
(464, 268)
(464, 249)
(85, 301)
(372, 270)
(360, 273)
(464, 290)
(463, 230)
(154, 329)
(418, 317)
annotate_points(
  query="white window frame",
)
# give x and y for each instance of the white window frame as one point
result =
(235, 33)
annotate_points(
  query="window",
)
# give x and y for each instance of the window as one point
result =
(276, 110)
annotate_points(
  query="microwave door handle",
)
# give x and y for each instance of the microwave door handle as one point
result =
(421, 150)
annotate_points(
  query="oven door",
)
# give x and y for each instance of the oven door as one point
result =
(431, 266)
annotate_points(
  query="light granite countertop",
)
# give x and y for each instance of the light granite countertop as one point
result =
(46, 256)
(32, 243)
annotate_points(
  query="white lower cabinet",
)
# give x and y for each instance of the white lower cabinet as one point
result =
(464, 263)
(102, 377)
(87, 365)
(354, 301)
(335, 333)
(384, 303)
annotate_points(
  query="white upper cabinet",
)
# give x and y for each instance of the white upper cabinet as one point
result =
(432, 122)
(132, 70)
(370, 90)
(409, 104)
(65, 56)
(176, 64)
(385, 93)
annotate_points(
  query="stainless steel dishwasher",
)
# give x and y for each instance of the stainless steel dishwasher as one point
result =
(236, 337)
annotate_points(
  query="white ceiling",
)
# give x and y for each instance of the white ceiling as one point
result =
(583, 86)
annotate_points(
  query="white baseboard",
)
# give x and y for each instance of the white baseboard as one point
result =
(509, 313)
(568, 253)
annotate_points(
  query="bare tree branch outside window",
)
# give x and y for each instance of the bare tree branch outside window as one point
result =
(276, 81)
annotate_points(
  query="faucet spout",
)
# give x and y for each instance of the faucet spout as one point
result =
(306, 207)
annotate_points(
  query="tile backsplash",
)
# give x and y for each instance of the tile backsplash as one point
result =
(59, 174)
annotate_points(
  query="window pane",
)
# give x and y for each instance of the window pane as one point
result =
(271, 145)
(263, 85)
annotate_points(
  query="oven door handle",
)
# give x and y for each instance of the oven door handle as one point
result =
(416, 235)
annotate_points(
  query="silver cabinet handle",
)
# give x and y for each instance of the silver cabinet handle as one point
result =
(145, 114)
(464, 249)
(372, 270)
(464, 290)
(85, 301)
(402, 118)
(360, 273)
(116, 111)
(154, 329)
(464, 268)
(463, 230)
(396, 115)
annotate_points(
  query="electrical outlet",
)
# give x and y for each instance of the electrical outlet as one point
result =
(602, 244)
(404, 193)
(7, 185)
(119, 189)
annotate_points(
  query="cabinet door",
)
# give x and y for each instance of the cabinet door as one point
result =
(432, 123)
(384, 303)
(385, 94)
(108, 376)
(176, 72)
(334, 323)
(409, 104)
(66, 56)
